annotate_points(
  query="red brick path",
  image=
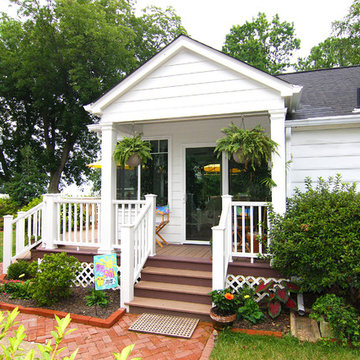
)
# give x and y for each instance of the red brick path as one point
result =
(97, 343)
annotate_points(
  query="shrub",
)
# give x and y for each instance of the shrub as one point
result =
(15, 270)
(53, 277)
(318, 238)
(97, 297)
(7, 207)
(17, 289)
(343, 319)
(251, 311)
(32, 203)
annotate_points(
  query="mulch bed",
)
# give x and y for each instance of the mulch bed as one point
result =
(281, 324)
(75, 304)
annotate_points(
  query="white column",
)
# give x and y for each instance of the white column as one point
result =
(7, 242)
(151, 227)
(49, 220)
(278, 173)
(218, 261)
(226, 204)
(108, 189)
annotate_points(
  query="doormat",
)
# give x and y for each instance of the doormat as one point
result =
(165, 325)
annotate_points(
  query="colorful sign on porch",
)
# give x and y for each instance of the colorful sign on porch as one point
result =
(105, 272)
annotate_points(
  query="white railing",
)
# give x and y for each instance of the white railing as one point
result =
(221, 245)
(126, 213)
(77, 221)
(28, 234)
(250, 224)
(137, 244)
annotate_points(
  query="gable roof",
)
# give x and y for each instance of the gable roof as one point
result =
(288, 91)
(326, 92)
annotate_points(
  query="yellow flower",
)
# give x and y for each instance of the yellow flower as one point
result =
(246, 296)
(22, 275)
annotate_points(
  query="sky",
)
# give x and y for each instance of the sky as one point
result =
(209, 21)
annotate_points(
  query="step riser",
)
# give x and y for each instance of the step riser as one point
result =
(176, 279)
(168, 295)
(141, 310)
(170, 263)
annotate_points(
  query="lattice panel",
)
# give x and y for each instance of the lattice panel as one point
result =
(238, 281)
(85, 277)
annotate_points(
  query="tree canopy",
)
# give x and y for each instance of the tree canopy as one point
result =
(54, 59)
(266, 45)
(340, 49)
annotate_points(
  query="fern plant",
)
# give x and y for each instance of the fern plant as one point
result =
(130, 146)
(254, 147)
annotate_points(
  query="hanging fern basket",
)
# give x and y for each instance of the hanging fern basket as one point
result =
(134, 160)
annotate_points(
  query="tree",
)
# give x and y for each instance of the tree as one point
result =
(340, 49)
(266, 45)
(57, 58)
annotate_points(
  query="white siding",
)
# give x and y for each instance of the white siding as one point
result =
(324, 152)
(190, 85)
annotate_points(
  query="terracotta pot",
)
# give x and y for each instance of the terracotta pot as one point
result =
(220, 322)
(133, 160)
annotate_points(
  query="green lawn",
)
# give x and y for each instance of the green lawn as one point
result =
(236, 346)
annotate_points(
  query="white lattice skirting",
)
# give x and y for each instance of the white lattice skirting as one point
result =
(236, 282)
(85, 277)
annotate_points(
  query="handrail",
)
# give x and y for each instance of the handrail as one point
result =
(137, 244)
(28, 233)
(221, 247)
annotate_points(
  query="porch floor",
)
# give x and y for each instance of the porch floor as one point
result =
(189, 251)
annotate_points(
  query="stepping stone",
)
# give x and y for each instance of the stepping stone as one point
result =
(304, 328)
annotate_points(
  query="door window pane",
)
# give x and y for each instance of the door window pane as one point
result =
(126, 183)
(154, 174)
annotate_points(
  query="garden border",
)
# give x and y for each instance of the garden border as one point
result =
(75, 318)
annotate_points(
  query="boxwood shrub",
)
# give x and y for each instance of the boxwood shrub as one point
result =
(318, 238)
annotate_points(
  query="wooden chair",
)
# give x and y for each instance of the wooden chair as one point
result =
(164, 212)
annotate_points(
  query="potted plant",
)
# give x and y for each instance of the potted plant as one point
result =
(131, 151)
(250, 147)
(224, 311)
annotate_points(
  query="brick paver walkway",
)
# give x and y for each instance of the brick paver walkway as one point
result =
(97, 343)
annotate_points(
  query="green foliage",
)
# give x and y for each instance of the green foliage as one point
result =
(56, 57)
(340, 49)
(52, 278)
(255, 145)
(125, 353)
(266, 45)
(7, 207)
(32, 203)
(30, 182)
(343, 319)
(18, 270)
(318, 238)
(131, 145)
(97, 297)
(17, 289)
(251, 311)
(277, 297)
(226, 301)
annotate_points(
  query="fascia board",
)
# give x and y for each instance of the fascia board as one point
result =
(324, 121)
(242, 68)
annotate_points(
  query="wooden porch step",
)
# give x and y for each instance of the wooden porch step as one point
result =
(169, 291)
(170, 307)
(188, 263)
(177, 276)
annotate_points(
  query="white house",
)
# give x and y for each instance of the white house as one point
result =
(180, 100)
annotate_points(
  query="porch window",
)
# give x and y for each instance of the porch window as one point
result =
(149, 178)
(247, 184)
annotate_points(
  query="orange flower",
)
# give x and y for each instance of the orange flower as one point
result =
(229, 296)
